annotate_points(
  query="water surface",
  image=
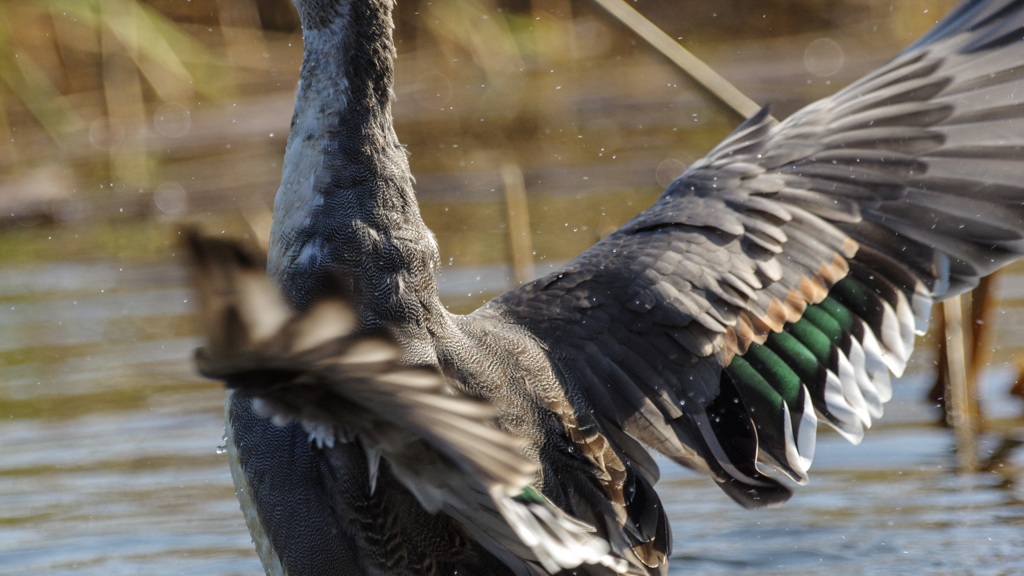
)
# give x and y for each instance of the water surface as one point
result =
(109, 463)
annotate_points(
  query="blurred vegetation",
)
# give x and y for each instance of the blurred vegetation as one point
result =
(102, 35)
(81, 81)
(143, 109)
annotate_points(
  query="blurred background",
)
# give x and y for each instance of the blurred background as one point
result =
(122, 119)
(122, 115)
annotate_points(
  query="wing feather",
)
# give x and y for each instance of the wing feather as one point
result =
(782, 278)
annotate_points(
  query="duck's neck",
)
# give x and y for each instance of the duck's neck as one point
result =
(346, 205)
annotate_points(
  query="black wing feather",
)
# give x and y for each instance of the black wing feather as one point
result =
(839, 226)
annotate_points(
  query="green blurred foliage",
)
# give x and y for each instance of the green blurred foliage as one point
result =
(83, 35)
(114, 109)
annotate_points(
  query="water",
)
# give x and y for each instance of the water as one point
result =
(890, 506)
(109, 463)
(107, 445)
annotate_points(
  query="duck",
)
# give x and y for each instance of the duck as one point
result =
(777, 284)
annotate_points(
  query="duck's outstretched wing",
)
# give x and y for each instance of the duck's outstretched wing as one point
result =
(343, 386)
(782, 278)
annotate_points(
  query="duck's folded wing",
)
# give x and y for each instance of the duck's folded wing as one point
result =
(782, 278)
